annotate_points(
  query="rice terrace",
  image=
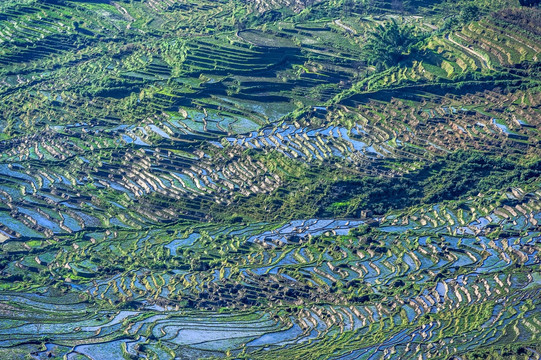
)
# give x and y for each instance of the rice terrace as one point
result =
(270, 179)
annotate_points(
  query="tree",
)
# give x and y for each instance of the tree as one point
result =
(388, 44)
(469, 13)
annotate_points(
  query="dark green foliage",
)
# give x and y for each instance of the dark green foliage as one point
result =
(507, 352)
(465, 174)
(529, 2)
(376, 194)
(469, 13)
(389, 44)
(459, 175)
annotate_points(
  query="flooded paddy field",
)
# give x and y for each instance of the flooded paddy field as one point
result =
(405, 269)
(270, 179)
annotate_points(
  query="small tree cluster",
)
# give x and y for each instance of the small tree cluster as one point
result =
(389, 44)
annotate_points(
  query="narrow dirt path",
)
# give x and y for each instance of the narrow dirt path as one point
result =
(345, 27)
(471, 51)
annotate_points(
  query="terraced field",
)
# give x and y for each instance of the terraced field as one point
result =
(244, 180)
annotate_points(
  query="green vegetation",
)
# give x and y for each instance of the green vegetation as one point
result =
(270, 179)
(319, 193)
(388, 44)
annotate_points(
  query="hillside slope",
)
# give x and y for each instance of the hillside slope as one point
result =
(270, 179)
